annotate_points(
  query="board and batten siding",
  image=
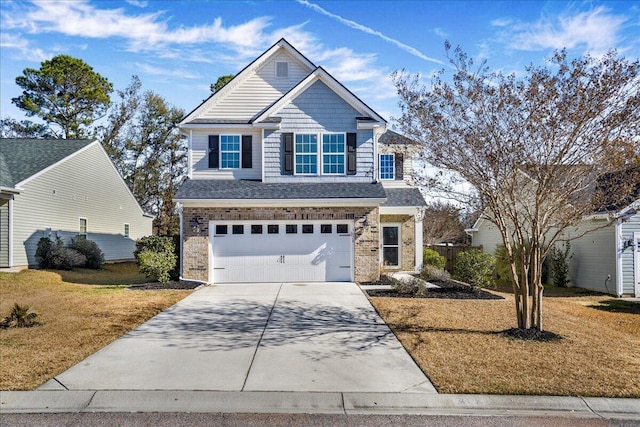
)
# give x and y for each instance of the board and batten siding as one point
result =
(318, 109)
(85, 185)
(200, 155)
(258, 91)
(627, 230)
(4, 232)
(594, 256)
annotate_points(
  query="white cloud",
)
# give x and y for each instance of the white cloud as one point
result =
(166, 72)
(440, 33)
(23, 48)
(365, 29)
(138, 3)
(596, 31)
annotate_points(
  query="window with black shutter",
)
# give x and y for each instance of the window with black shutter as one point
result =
(351, 154)
(287, 153)
(247, 157)
(214, 151)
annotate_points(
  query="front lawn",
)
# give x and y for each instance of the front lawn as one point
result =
(80, 311)
(459, 344)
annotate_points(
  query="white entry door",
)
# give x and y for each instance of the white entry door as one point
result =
(281, 251)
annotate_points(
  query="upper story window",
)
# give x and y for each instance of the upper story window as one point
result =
(387, 166)
(82, 232)
(333, 154)
(126, 230)
(282, 69)
(229, 151)
(306, 154)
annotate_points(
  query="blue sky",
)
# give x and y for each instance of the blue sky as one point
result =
(178, 48)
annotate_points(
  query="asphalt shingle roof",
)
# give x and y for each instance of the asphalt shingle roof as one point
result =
(240, 189)
(404, 197)
(22, 158)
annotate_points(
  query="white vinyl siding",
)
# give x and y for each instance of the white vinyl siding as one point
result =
(628, 229)
(200, 161)
(4, 232)
(258, 91)
(85, 185)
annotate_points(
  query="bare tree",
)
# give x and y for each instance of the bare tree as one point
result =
(533, 149)
(443, 223)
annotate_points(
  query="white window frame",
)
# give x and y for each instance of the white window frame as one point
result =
(127, 229)
(393, 163)
(399, 245)
(287, 69)
(344, 153)
(227, 151)
(318, 150)
(86, 227)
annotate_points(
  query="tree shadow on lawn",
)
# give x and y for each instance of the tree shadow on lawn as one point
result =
(617, 306)
(513, 333)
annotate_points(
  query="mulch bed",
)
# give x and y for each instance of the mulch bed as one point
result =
(174, 284)
(447, 290)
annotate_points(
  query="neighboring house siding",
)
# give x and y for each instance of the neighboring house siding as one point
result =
(317, 110)
(628, 228)
(487, 236)
(4, 232)
(200, 159)
(258, 91)
(593, 257)
(85, 185)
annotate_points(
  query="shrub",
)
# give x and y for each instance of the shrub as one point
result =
(410, 286)
(20, 317)
(559, 265)
(63, 258)
(433, 258)
(43, 252)
(503, 270)
(429, 272)
(91, 251)
(475, 268)
(156, 257)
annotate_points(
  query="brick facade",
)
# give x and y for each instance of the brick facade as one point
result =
(407, 236)
(195, 243)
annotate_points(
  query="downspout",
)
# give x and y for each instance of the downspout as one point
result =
(181, 239)
(619, 251)
(190, 159)
(10, 247)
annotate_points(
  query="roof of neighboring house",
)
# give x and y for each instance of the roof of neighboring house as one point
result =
(216, 189)
(404, 197)
(22, 158)
(390, 138)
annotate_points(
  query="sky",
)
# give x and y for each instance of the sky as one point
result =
(178, 48)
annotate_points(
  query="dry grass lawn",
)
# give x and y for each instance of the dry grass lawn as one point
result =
(458, 344)
(79, 315)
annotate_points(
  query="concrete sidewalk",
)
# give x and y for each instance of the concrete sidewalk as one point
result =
(316, 403)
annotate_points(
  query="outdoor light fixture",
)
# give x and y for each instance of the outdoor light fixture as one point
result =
(365, 223)
(195, 224)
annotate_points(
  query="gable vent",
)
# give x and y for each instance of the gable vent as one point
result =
(282, 69)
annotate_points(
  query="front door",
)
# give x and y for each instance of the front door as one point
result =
(391, 245)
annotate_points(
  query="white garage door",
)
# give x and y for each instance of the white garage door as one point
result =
(281, 251)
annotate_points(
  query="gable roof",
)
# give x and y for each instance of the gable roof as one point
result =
(281, 44)
(320, 74)
(20, 159)
(394, 138)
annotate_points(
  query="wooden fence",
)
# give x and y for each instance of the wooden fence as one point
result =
(451, 252)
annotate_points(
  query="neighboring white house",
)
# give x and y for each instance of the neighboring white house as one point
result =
(605, 259)
(64, 188)
(291, 178)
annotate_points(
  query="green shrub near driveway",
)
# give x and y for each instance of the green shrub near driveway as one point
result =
(156, 257)
(475, 268)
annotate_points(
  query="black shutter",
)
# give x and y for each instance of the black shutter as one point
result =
(399, 166)
(247, 155)
(287, 154)
(351, 154)
(214, 151)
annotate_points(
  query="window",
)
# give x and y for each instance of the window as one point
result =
(326, 228)
(126, 230)
(221, 229)
(391, 246)
(282, 69)
(229, 151)
(292, 228)
(387, 166)
(333, 154)
(306, 154)
(238, 229)
(307, 228)
(83, 228)
(256, 229)
(273, 229)
(342, 228)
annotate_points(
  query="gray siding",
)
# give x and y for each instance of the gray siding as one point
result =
(318, 109)
(4, 232)
(628, 228)
(487, 236)
(200, 159)
(594, 257)
(258, 91)
(84, 185)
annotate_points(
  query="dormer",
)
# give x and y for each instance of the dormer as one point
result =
(395, 159)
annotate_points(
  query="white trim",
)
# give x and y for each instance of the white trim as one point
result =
(382, 245)
(239, 151)
(286, 70)
(181, 260)
(344, 154)
(126, 229)
(262, 154)
(10, 236)
(10, 190)
(197, 126)
(619, 252)
(190, 155)
(398, 210)
(204, 203)
(295, 153)
(418, 240)
(86, 227)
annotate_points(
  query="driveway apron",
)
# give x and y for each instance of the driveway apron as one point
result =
(256, 337)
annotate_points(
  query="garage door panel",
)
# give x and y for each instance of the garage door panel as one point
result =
(282, 257)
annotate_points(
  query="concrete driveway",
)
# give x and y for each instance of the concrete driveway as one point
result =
(256, 337)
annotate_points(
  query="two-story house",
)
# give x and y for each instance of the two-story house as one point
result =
(293, 178)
